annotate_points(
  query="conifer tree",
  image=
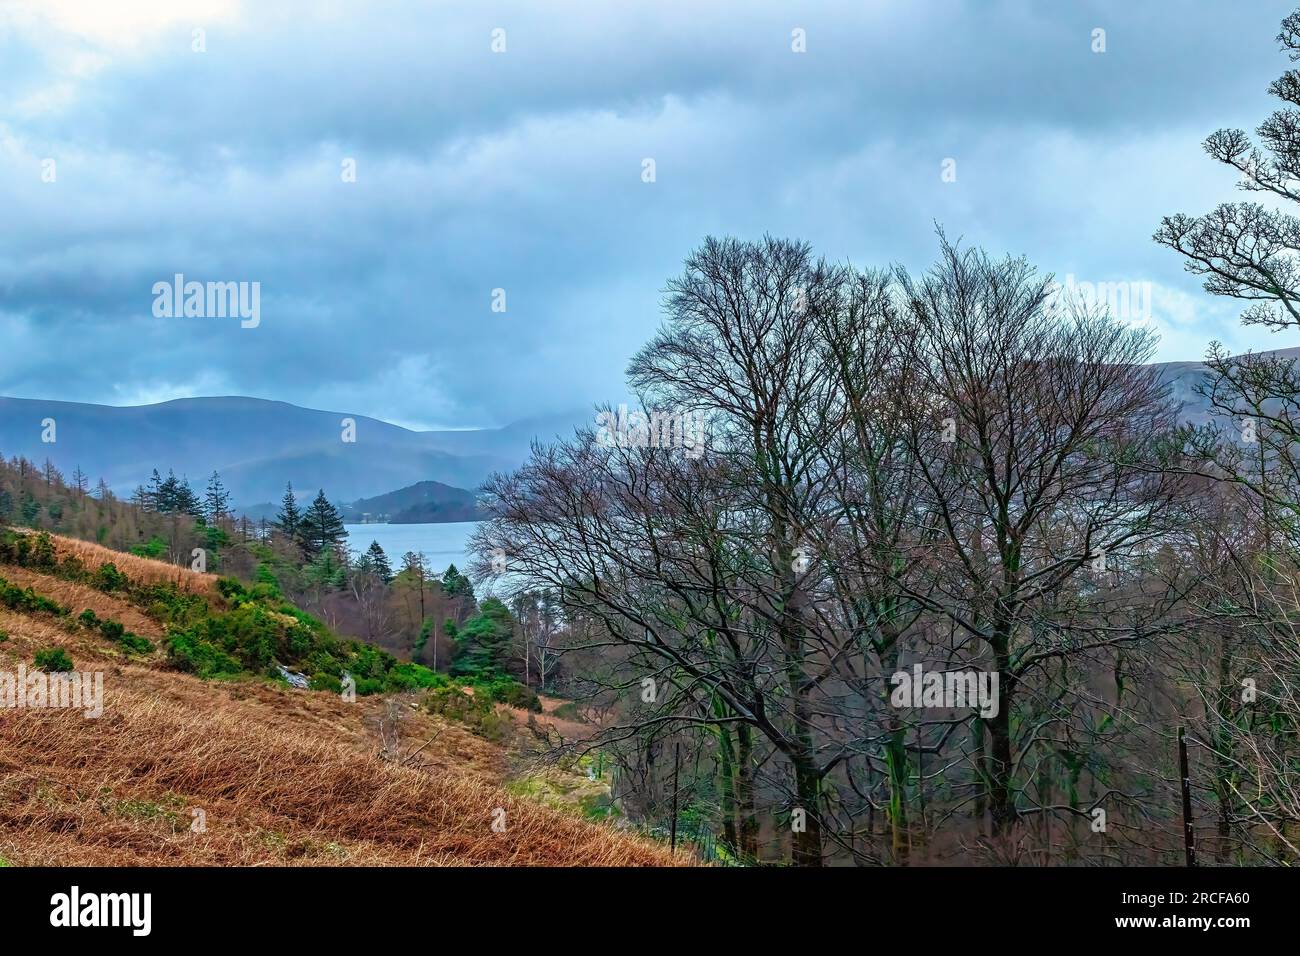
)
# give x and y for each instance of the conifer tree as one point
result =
(321, 528)
(379, 562)
(216, 502)
(289, 520)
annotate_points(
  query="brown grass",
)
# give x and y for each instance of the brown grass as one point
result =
(82, 596)
(283, 777)
(142, 570)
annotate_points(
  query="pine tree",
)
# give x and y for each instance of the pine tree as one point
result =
(379, 562)
(141, 498)
(187, 502)
(216, 502)
(455, 584)
(166, 495)
(289, 520)
(322, 528)
(154, 492)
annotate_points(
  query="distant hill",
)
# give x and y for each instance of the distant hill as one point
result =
(259, 445)
(422, 502)
(1184, 377)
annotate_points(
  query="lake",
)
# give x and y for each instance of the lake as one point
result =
(441, 544)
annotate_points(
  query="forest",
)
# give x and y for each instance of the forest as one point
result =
(964, 471)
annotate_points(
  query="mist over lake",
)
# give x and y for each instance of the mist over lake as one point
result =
(441, 544)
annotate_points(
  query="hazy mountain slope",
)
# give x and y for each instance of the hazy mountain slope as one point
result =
(257, 446)
(1184, 377)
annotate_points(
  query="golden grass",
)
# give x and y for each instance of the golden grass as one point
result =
(82, 596)
(141, 570)
(122, 790)
(283, 777)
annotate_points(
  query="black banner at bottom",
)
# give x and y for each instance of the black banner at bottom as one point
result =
(331, 905)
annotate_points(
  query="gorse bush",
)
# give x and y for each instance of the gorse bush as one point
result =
(53, 660)
(260, 629)
(116, 632)
(476, 712)
(507, 690)
(25, 599)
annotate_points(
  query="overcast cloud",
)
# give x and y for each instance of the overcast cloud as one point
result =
(522, 170)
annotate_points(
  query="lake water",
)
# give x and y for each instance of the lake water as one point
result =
(441, 544)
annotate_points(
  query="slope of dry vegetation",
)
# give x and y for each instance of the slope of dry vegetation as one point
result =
(280, 776)
(140, 570)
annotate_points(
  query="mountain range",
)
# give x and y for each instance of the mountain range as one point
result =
(258, 445)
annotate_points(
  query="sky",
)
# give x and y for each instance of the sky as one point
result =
(503, 146)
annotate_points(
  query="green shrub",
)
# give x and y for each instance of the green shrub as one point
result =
(154, 548)
(43, 551)
(409, 676)
(53, 660)
(511, 692)
(569, 711)
(109, 578)
(326, 682)
(25, 599)
(188, 653)
(136, 643)
(477, 713)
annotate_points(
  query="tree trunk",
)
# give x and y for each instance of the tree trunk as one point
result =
(727, 788)
(807, 845)
(745, 793)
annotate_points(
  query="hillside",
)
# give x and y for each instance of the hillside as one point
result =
(274, 774)
(425, 501)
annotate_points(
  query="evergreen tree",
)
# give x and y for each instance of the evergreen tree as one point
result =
(327, 569)
(216, 502)
(187, 502)
(166, 495)
(141, 498)
(289, 520)
(483, 642)
(154, 492)
(321, 528)
(379, 562)
(455, 584)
